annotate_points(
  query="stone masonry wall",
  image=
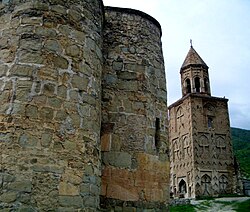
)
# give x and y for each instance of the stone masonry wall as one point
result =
(50, 92)
(134, 138)
(213, 152)
(201, 151)
(181, 148)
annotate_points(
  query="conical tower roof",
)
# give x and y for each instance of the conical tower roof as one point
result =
(193, 59)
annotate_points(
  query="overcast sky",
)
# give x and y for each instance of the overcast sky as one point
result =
(220, 30)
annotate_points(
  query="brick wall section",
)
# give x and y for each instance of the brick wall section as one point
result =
(50, 92)
(135, 165)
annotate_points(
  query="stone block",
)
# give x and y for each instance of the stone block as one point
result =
(59, 61)
(90, 201)
(128, 85)
(73, 95)
(60, 115)
(110, 79)
(54, 102)
(116, 143)
(30, 57)
(88, 170)
(31, 111)
(46, 32)
(8, 197)
(21, 186)
(3, 70)
(24, 198)
(71, 201)
(62, 91)
(74, 15)
(28, 141)
(31, 43)
(46, 168)
(58, 9)
(46, 139)
(8, 178)
(78, 36)
(117, 159)
(126, 75)
(46, 114)
(106, 142)
(67, 189)
(80, 82)
(73, 51)
(26, 209)
(94, 190)
(129, 209)
(117, 65)
(6, 55)
(85, 189)
(53, 45)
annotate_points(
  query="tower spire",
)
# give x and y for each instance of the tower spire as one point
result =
(191, 42)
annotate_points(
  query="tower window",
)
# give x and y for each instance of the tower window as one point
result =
(188, 86)
(209, 122)
(206, 84)
(157, 133)
(197, 84)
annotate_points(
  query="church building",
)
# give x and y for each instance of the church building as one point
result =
(201, 157)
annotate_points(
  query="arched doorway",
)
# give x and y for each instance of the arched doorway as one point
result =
(182, 187)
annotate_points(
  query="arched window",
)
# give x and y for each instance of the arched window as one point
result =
(197, 84)
(206, 85)
(188, 86)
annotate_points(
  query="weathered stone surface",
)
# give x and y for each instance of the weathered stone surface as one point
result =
(8, 197)
(80, 82)
(133, 103)
(23, 186)
(50, 103)
(118, 159)
(68, 189)
(57, 87)
(71, 201)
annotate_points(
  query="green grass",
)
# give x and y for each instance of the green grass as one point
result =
(182, 208)
(207, 204)
(243, 206)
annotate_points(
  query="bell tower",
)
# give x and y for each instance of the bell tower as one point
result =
(201, 157)
(194, 74)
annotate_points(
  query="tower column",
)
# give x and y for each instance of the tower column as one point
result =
(50, 77)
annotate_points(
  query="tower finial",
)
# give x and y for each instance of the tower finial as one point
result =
(191, 42)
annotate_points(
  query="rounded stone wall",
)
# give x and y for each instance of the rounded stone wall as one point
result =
(50, 92)
(134, 138)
